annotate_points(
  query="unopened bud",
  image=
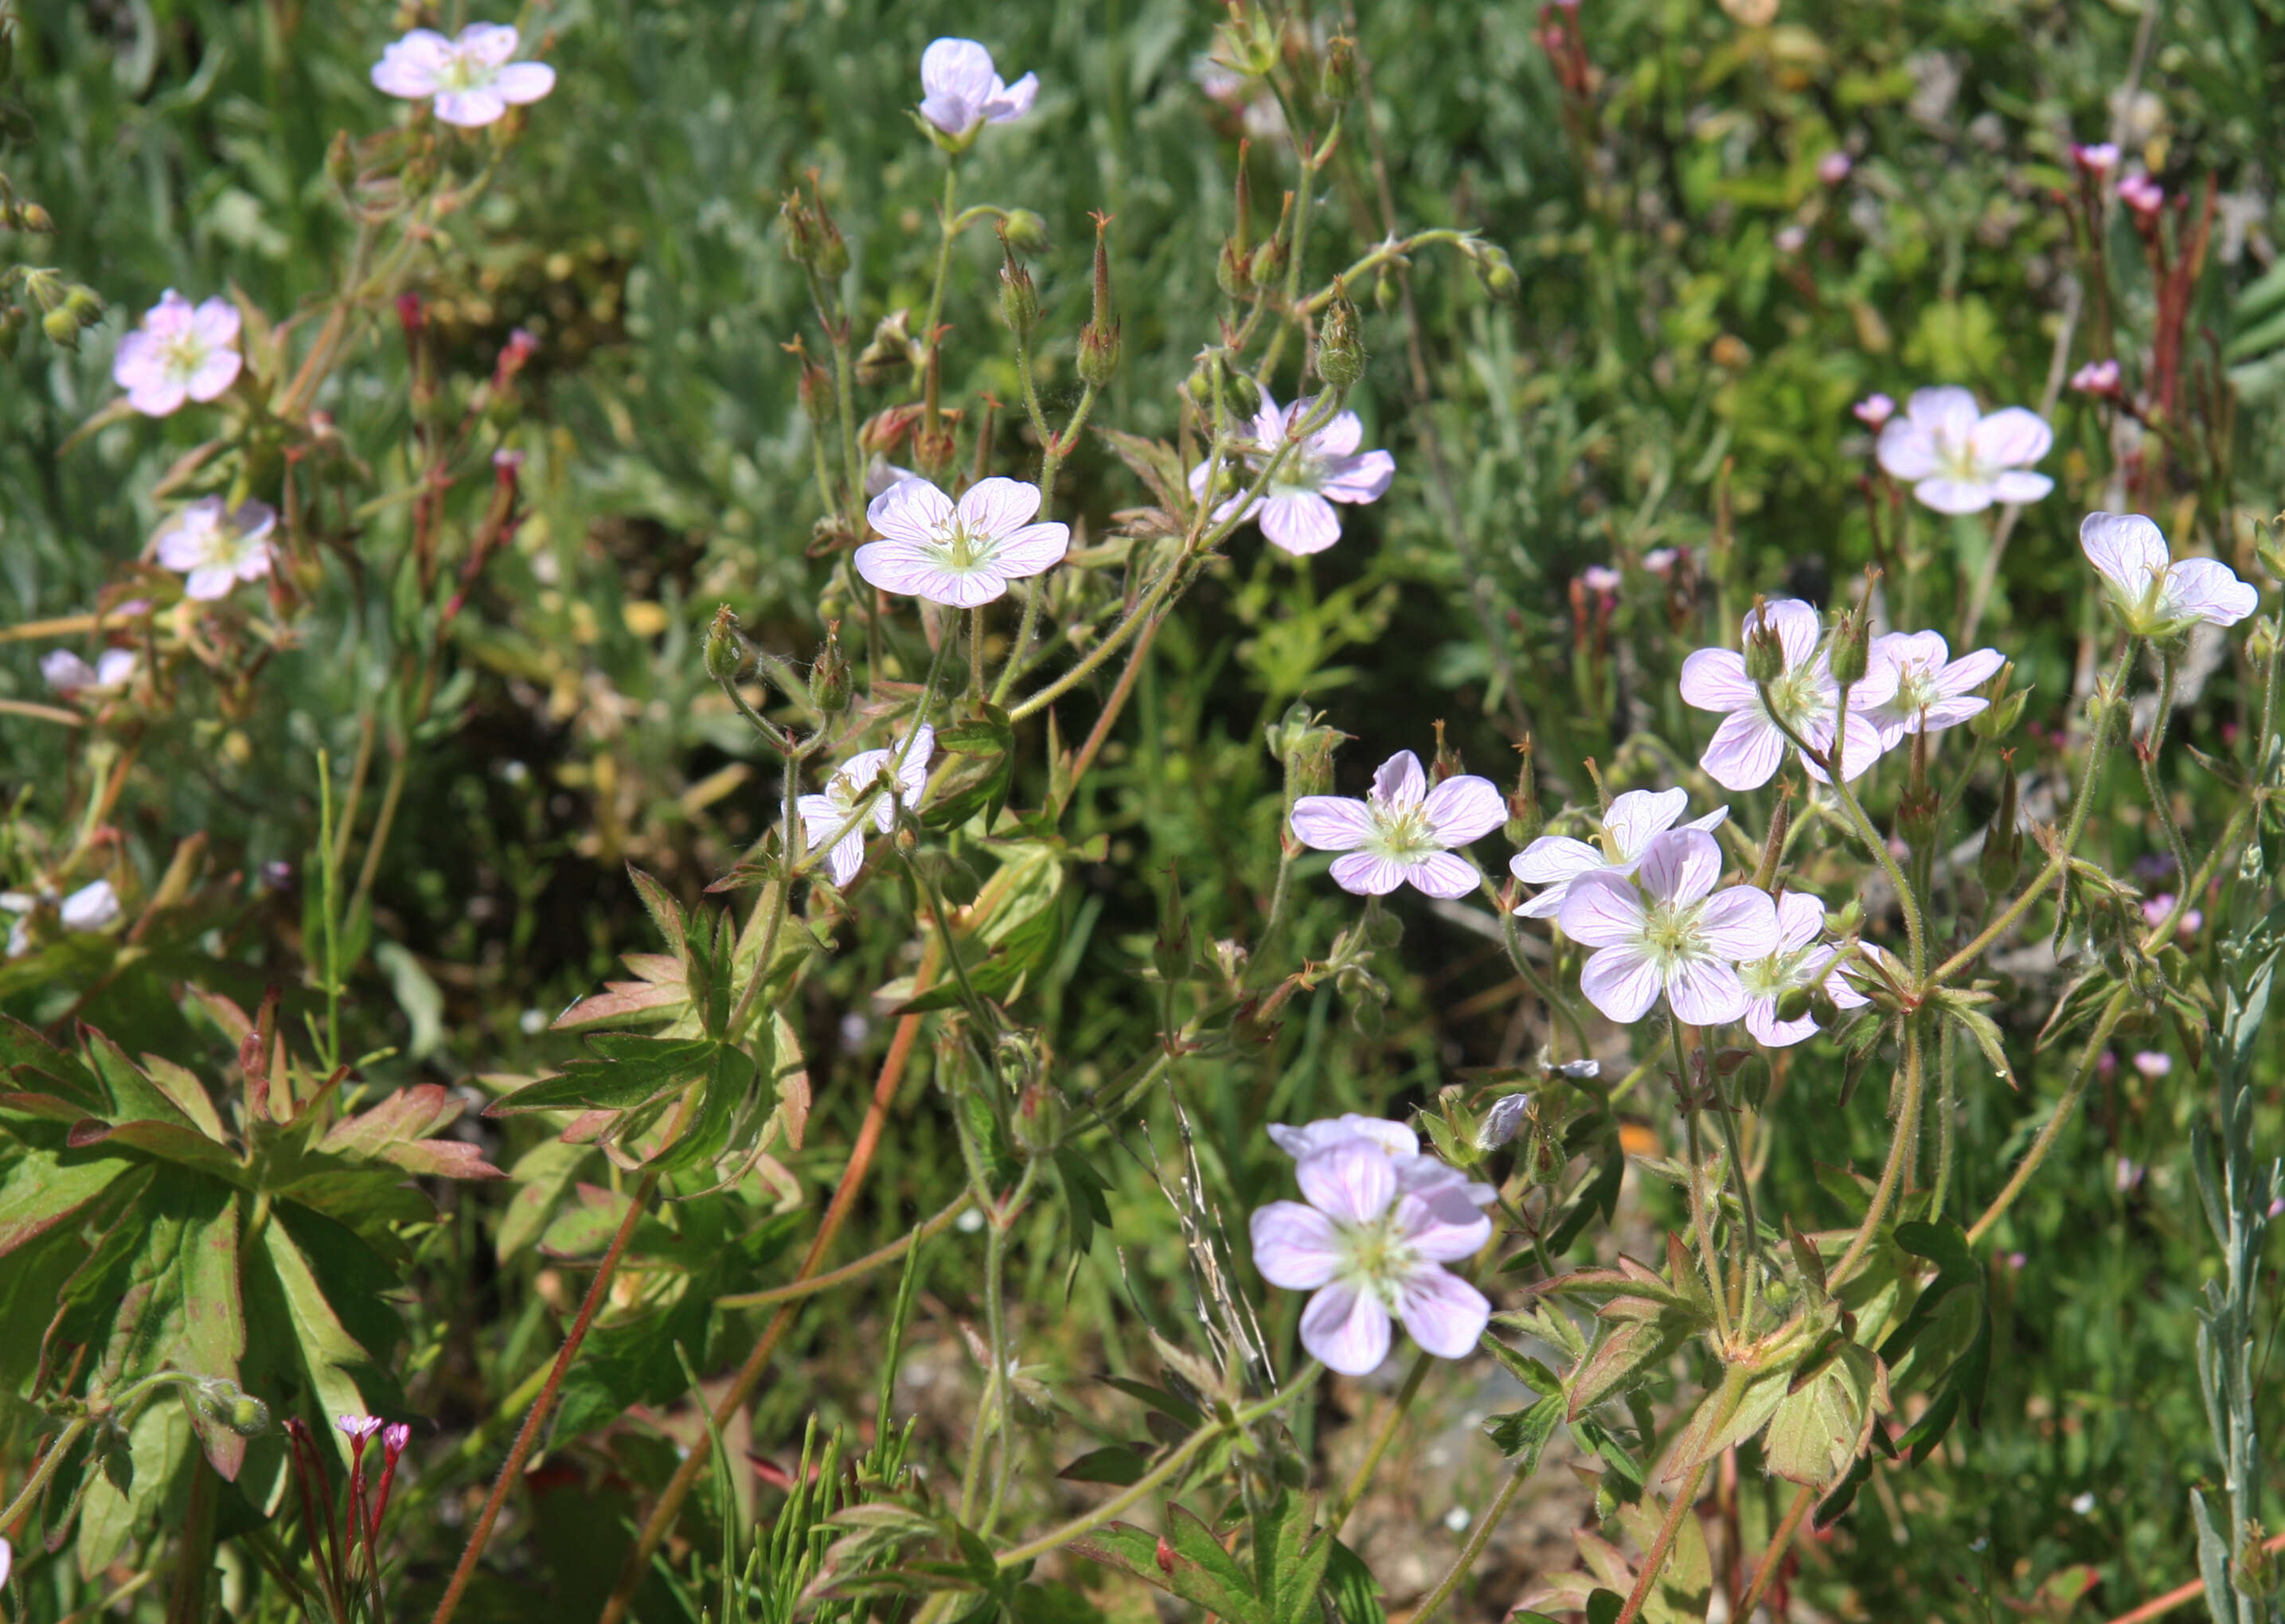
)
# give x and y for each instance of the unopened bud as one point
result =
(1340, 346)
(1024, 231)
(225, 1403)
(727, 658)
(32, 217)
(1340, 80)
(829, 678)
(62, 327)
(891, 349)
(1234, 270)
(1446, 761)
(1037, 1126)
(1851, 649)
(1822, 1008)
(1997, 719)
(1501, 1124)
(934, 449)
(1765, 660)
(1793, 1003)
(1525, 818)
(1496, 272)
(1019, 299)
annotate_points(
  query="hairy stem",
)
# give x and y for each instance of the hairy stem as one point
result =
(1655, 1557)
(1900, 1155)
(1479, 1537)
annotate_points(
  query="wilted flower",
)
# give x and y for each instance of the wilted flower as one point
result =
(67, 673)
(834, 814)
(91, 907)
(1554, 861)
(470, 79)
(1296, 509)
(1934, 691)
(962, 90)
(2153, 1063)
(2096, 378)
(179, 353)
(1874, 409)
(1833, 168)
(1749, 747)
(2154, 593)
(1666, 930)
(959, 554)
(2145, 197)
(1503, 1122)
(1960, 461)
(215, 548)
(1799, 960)
(2099, 158)
(1403, 831)
(1371, 1250)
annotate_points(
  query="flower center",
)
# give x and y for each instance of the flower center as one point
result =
(1404, 836)
(1793, 698)
(1957, 460)
(1376, 1257)
(1916, 689)
(962, 551)
(1299, 474)
(184, 354)
(1670, 933)
(462, 72)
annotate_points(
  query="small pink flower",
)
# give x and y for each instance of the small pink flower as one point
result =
(1749, 746)
(836, 816)
(214, 549)
(2098, 159)
(179, 353)
(2127, 1173)
(469, 79)
(2099, 378)
(1621, 837)
(2156, 594)
(2153, 1063)
(961, 91)
(1415, 1174)
(1799, 960)
(1371, 1250)
(394, 1437)
(1958, 460)
(2145, 197)
(1600, 579)
(358, 1428)
(1833, 168)
(1403, 832)
(1874, 410)
(1666, 930)
(1934, 691)
(1660, 561)
(1296, 510)
(959, 554)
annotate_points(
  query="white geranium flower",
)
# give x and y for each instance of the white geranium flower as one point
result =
(1956, 459)
(1552, 861)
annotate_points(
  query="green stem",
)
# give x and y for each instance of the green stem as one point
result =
(1749, 1264)
(2148, 755)
(1478, 1537)
(41, 1473)
(1701, 1220)
(1354, 1490)
(943, 255)
(2112, 1013)
(1947, 1075)
(1892, 1176)
(864, 1266)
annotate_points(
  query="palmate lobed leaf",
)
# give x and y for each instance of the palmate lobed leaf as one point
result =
(632, 1071)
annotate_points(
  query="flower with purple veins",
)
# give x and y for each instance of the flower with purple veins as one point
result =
(835, 815)
(469, 79)
(217, 548)
(1442, 1187)
(1370, 1250)
(1666, 929)
(1749, 746)
(1799, 960)
(962, 92)
(2156, 594)
(181, 352)
(1403, 832)
(1504, 1121)
(1553, 861)
(1934, 691)
(959, 553)
(1959, 460)
(1296, 509)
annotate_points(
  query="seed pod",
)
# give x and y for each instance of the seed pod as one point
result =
(727, 656)
(1793, 1003)
(829, 678)
(1098, 341)
(1340, 81)
(1019, 299)
(1524, 817)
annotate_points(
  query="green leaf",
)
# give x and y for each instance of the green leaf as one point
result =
(1356, 1595)
(633, 1070)
(1525, 1369)
(213, 1322)
(39, 1189)
(1819, 1428)
(1523, 1433)
(169, 1141)
(20, 1046)
(1115, 1463)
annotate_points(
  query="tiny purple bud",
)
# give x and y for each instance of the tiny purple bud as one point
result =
(1874, 410)
(2097, 378)
(1833, 168)
(2142, 195)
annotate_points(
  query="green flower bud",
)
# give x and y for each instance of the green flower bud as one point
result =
(727, 658)
(1340, 80)
(1037, 1126)
(1851, 649)
(33, 218)
(1026, 231)
(828, 679)
(1793, 1003)
(1019, 299)
(225, 1403)
(1340, 349)
(1765, 659)
(61, 324)
(1822, 1010)
(1496, 272)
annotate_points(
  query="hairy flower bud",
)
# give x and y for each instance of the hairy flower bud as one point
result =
(1340, 348)
(1496, 272)
(829, 678)
(1997, 719)
(1037, 1126)
(1019, 299)
(1765, 659)
(1793, 1003)
(62, 327)
(1340, 81)
(1822, 1009)
(1851, 649)
(727, 658)
(1024, 231)
(1525, 818)
(225, 1403)
(891, 350)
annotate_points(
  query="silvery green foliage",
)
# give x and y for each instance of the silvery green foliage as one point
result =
(2237, 1191)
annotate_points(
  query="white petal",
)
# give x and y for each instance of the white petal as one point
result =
(2013, 438)
(1680, 865)
(1399, 783)
(1299, 521)
(1346, 1329)
(1622, 983)
(1954, 496)
(1762, 1021)
(1332, 822)
(1338, 437)
(1706, 993)
(1797, 624)
(1744, 752)
(1325, 1132)
(1948, 414)
(1440, 874)
(524, 82)
(1602, 909)
(1350, 1182)
(471, 109)
(1009, 102)
(1364, 477)
(1716, 680)
(1361, 873)
(912, 510)
(1445, 1314)
(997, 506)
(1427, 1222)
(1800, 916)
(491, 43)
(1553, 858)
(2017, 486)
(1032, 549)
(1741, 923)
(1906, 450)
(2127, 548)
(1640, 813)
(1464, 808)
(2210, 590)
(1294, 1246)
(958, 68)
(1969, 672)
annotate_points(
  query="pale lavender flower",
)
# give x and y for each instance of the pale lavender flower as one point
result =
(394, 1437)
(1403, 831)
(1503, 1122)
(1749, 747)
(469, 79)
(1934, 691)
(1296, 509)
(1660, 561)
(2152, 1063)
(1958, 460)
(181, 352)
(1371, 1250)
(834, 814)
(1601, 580)
(91, 907)
(217, 548)
(1553, 861)
(1441, 1185)
(2096, 158)
(7, 1562)
(358, 1428)
(1833, 168)
(959, 554)
(1666, 930)
(67, 673)
(2099, 378)
(2145, 197)
(962, 92)
(2154, 910)
(1791, 239)
(1799, 960)
(2156, 594)
(1874, 409)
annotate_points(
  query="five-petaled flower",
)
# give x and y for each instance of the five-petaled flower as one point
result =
(2156, 594)
(1799, 960)
(1296, 508)
(469, 79)
(1958, 460)
(1666, 929)
(841, 813)
(1553, 861)
(1441, 1185)
(181, 352)
(1749, 746)
(961, 91)
(1934, 691)
(1372, 1250)
(2096, 157)
(959, 554)
(216, 547)
(1403, 832)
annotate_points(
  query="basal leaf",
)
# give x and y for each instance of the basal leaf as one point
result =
(636, 1070)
